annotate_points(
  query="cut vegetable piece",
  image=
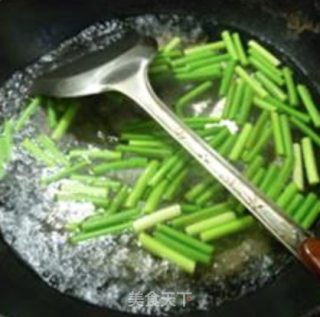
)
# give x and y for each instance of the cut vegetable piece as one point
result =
(202, 213)
(149, 144)
(294, 204)
(311, 217)
(253, 83)
(245, 108)
(52, 114)
(2, 162)
(298, 174)
(73, 187)
(197, 189)
(243, 137)
(156, 247)
(191, 95)
(96, 181)
(229, 100)
(268, 56)
(138, 137)
(201, 74)
(170, 54)
(208, 194)
(288, 109)
(305, 207)
(95, 200)
(202, 64)
(284, 175)
(157, 217)
(189, 208)
(95, 153)
(258, 128)
(306, 130)
(237, 100)
(181, 165)
(291, 87)
(151, 152)
(175, 185)
(253, 167)
(183, 61)
(141, 184)
(271, 72)
(287, 135)
(310, 161)
(277, 133)
(65, 172)
(210, 223)
(219, 138)
(107, 220)
(155, 197)
(6, 140)
(269, 178)
(65, 122)
(259, 145)
(161, 173)
(205, 47)
(184, 238)
(158, 69)
(226, 229)
(201, 120)
(118, 200)
(173, 44)
(287, 195)
(27, 113)
(271, 87)
(227, 78)
(263, 104)
(239, 49)
(34, 150)
(182, 248)
(308, 102)
(117, 229)
(258, 178)
(227, 39)
(52, 149)
(135, 162)
(72, 227)
(226, 148)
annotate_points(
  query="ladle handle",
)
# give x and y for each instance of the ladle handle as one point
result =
(136, 86)
(310, 254)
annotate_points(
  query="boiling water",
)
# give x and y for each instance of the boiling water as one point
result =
(113, 271)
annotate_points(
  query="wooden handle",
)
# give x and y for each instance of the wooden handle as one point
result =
(310, 254)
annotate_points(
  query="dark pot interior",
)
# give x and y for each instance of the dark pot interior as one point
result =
(30, 28)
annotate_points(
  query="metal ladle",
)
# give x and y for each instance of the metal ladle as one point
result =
(123, 67)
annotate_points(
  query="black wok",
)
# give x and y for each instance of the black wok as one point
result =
(30, 28)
